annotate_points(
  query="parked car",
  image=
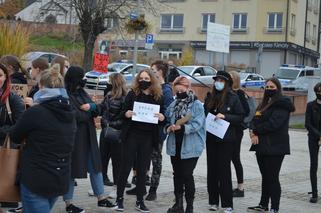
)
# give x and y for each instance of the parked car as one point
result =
(27, 58)
(287, 72)
(301, 84)
(99, 80)
(202, 73)
(251, 80)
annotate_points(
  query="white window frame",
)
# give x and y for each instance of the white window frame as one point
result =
(176, 29)
(307, 33)
(241, 16)
(208, 20)
(275, 28)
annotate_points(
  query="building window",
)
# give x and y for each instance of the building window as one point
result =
(275, 22)
(207, 17)
(316, 7)
(239, 21)
(314, 34)
(307, 33)
(310, 5)
(172, 22)
(292, 25)
(111, 23)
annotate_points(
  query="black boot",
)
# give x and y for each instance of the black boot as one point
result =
(189, 205)
(178, 206)
(151, 194)
(314, 198)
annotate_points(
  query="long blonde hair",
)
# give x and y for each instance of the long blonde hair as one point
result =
(236, 80)
(118, 82)
(155, 87)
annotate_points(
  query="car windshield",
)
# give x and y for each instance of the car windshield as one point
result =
(116, 67)
(243, 76)
(285, 73)
(187, 70)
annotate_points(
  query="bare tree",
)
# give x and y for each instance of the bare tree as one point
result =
(93, 13)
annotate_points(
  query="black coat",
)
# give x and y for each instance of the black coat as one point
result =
(129, 124)
(18, 78)
(86, 136)
(17, 108)
(112, 111)
(49, 129)
(272, 128)
(313, 119)
(233, 112)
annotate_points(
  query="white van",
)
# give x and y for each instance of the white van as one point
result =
(287, 72)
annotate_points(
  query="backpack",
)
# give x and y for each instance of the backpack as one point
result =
(252, 105)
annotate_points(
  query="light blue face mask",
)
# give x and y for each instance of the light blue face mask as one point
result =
(219, 86)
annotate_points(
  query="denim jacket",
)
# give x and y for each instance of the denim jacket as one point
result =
(194, 135)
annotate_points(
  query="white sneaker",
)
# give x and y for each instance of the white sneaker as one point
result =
(213, 207)
(228, 210)
(113, 194)
(91, 193)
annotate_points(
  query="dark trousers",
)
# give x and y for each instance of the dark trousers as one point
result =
(116, 157)
(314, 157)
(236, 158)
(157, 165)
(139, 145)
(219, 180)
(271, 188)
(183, 176)
(105, 154)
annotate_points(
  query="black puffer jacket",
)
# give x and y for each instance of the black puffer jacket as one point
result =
(112, 112)
(272, 128)
(233, 112)
(313, 119)
(17, 108)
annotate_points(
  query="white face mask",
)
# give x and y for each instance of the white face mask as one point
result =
(219, 86)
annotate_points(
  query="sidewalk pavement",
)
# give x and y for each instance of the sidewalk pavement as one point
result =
(294, 181)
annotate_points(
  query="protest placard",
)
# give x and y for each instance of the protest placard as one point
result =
(144, 112)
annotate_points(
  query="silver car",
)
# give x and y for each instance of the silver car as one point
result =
(203, 74)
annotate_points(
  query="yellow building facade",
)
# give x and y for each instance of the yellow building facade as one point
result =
(264, 33)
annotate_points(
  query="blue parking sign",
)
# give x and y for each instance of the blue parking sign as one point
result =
(149, 41)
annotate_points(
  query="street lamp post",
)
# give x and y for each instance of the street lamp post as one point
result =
(136, 42)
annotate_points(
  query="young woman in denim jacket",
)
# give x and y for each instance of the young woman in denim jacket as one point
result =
(185, 142)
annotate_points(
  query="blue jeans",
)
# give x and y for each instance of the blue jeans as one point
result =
(33, 203)
(96, 180)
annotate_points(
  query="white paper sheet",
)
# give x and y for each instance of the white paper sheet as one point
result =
(145, 112)
(216, 127)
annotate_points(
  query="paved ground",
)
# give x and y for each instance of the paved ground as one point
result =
(294, 180)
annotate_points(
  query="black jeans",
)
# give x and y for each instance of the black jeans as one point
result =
(314, 157)
(219, 180)
(236, 158)
(183, 176)
(138, 145)
(271, 188)
(105, 154)
(116, 157)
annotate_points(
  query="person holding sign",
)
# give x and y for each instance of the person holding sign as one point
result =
(139, 136)
(186, 140)
(224, 104)
(270, 140)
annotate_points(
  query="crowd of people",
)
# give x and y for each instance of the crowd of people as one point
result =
(56, 127)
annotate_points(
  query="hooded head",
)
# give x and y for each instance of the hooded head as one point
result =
(74, 78)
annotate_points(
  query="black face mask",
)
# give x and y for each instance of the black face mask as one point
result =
(318, 96)
(143, 85)
(181, 95)
(83, 82)
(270, 92)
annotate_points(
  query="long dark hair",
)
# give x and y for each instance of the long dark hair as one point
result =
(11, 60)
(6, 85)
(218, 98)
(266, 101)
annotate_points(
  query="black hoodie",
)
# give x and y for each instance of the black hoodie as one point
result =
(272, 128)
(49, 129)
